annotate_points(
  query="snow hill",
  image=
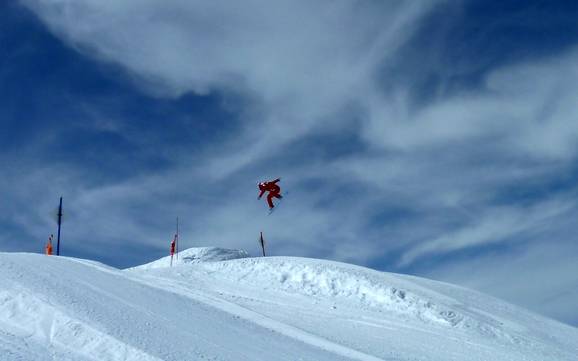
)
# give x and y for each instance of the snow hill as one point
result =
(196, 255)
(217, 304)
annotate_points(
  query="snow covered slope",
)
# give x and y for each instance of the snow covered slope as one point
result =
(196, 255)
(255, 309)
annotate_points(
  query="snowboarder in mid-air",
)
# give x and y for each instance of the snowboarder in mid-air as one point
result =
(273, 189)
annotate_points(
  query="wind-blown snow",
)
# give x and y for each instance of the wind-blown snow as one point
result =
(279, 308)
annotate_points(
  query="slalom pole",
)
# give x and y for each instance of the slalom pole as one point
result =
(177, 239)
(262, 241)
(59, 223)
(173, 249)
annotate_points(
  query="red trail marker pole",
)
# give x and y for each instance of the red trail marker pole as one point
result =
(48, 247)
(173, 249)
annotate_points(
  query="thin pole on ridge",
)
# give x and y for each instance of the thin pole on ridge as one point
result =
(262, 241)
(177, 238)
(59, 223)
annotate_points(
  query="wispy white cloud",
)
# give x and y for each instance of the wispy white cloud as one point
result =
(495, 225)
(296, 68)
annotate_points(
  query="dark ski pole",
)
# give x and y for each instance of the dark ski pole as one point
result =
(59, 223)
(173, 249)
(262, 241)
(177, 239)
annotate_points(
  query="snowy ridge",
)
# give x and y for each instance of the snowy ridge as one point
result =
(256, 309)
(357, 288)
(196, 255)
(332, 280)
(351, 289)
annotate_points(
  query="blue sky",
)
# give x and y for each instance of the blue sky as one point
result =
(437, 139)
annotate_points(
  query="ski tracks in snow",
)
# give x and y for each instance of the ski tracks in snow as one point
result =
(295, 333)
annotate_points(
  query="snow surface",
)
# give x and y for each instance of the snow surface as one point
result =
(196, 255)
(217, 304)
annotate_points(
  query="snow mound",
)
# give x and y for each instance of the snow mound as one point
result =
(196, 255)
(359, 288)
(356, 286)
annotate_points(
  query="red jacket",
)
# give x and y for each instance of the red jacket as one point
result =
(269, 187)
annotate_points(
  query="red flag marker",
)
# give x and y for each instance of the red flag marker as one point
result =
(173, 245)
